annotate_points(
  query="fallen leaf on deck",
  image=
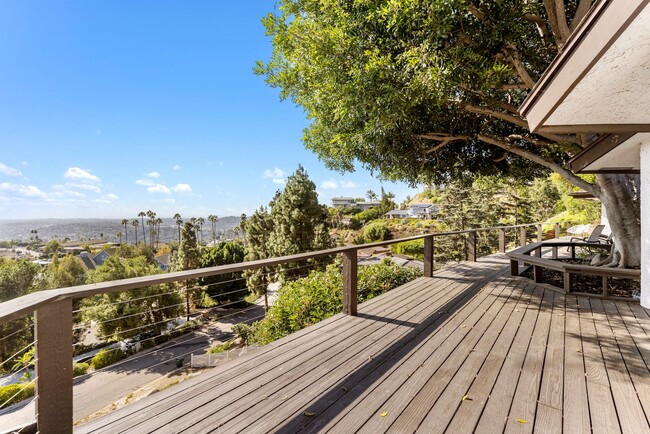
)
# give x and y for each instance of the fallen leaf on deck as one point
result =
(384, 414)
(521, 420)
(343, 388)
(463, 326)
(308, 414)
(467, 398)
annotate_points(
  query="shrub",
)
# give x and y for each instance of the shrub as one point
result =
(413, 248)
(376, 231)
(107, 357)
(243, 332)
(372, 213)
(221, 348)
(354, 224)
(79, 369)
(306, 301)
(22, 391)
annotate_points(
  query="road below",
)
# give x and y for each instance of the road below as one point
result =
(101, 388)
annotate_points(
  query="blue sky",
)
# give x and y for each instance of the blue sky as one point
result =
(109, 108)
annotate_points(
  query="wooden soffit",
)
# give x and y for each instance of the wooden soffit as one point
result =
(600, 82)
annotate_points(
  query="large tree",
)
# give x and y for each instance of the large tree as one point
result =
(427, 91)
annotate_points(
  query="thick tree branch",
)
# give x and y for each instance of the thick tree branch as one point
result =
(566, 174)
(478, 14)
(512, 54)
(514, 86)
(539, 23)
(551, 12)
(500, 115)
(581, 12)
(560, 12)
(444, 140)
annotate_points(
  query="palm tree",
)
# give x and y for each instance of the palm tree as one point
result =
(158, 223)
(141, 214)
(200, 221)
(213, 221)
(371, 195)
(152, 219)
(135, 223)
(125, 222)
(179, 222)
(119, 235)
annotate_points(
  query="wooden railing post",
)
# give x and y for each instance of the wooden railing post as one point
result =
(522, 236)
(53, 330)
(428, 256)
(350, 282)
(539, 233)
(557, 230)
(502, 240)
(471, 246)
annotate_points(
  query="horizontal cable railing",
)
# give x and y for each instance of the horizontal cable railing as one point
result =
(53, 309)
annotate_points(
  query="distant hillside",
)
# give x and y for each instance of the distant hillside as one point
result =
(74, 229)
(422, 197)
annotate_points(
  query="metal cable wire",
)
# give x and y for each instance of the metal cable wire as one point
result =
(17, 353)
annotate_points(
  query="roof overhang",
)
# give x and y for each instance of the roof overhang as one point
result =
(600, 82)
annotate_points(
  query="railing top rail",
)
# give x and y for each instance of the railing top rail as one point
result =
(21, 306)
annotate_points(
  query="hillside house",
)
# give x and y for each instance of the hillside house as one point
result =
(343, 202)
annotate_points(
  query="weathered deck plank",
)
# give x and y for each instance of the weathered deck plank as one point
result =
(515, 349)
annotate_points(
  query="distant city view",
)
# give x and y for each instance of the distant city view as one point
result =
(78, 229)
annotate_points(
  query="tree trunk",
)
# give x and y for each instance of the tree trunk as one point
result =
(620, 196)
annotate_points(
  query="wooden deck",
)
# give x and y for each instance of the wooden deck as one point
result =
(469, 350)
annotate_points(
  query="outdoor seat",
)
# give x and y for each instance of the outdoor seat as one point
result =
(594, 237)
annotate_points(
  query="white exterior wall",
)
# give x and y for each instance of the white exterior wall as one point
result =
(645, 224)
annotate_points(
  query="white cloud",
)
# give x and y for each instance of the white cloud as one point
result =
(176, 167)
(275, 173)
(23, 190)
(332, 184)
(159, 188)
(81, 174)
(145, 182)
(153, 174)
(9, 171)
(182, 188)
(80, 186)
(329, 185)
(111, 196)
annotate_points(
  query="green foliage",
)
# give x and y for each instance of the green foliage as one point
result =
(374, 280)
(375, 77)
(129, 251)
(221, 348)
(243, 332)
(79, 369)
(188, 256)
(306, 301)
(22, 391)
(369, 214)
(52, 247)
(17, 278)
(376, 231)
(227, 252)
(65, 272)
(122, 314)
(413, 248)
(107, 357)
(296, 223)
(355, 224)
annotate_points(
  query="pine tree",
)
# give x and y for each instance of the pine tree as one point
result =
(257, 230)
(188, 257)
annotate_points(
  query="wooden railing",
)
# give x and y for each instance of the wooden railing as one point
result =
(531, 255)
(53, 314)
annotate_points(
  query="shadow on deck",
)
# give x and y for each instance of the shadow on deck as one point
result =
(470, 349)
